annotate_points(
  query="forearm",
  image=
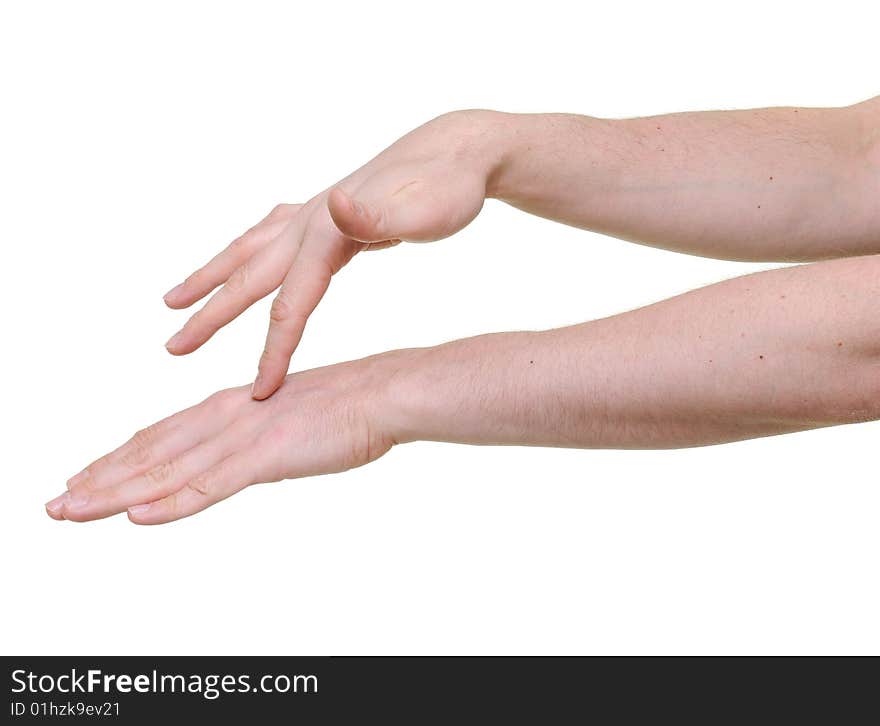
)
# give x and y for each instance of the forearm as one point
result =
(765, 184)
(769, 353)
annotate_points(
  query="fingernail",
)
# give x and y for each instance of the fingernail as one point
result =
(57, 504)
(174, 339)
(172, 291)
(77, 478)
(138, 509)
(255, 385)
(77, 501)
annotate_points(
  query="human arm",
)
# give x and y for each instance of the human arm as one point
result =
(769, 353)
(787, 184)
(768, 184)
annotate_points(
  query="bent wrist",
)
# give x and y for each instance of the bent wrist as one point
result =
(481, 139)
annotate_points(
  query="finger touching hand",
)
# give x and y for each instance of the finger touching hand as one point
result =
(321, 254)
(300, 293)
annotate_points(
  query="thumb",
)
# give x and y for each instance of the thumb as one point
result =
(360, 220)
(416, 212)
(412, 204)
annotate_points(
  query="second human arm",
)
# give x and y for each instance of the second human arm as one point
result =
(769, 353)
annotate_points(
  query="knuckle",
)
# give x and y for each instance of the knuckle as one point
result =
(139, 449)
(238, 280)
(201, 485)
(281, 310)
(224, 402)
(240, 244)
(171, 507)
(160, 474)
(284, 210)
(87, 484)
(224, 397)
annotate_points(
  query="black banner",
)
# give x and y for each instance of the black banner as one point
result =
(412, 690)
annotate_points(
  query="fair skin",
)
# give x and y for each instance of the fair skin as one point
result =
(789, 184)
(770, 353)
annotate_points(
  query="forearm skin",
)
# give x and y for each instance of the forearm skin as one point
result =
(765, 354)
(786, 184)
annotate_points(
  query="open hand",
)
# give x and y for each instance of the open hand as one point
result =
(321, 421)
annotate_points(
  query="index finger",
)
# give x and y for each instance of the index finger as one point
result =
(298, 297)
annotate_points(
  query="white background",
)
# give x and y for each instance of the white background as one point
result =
(138, 139)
